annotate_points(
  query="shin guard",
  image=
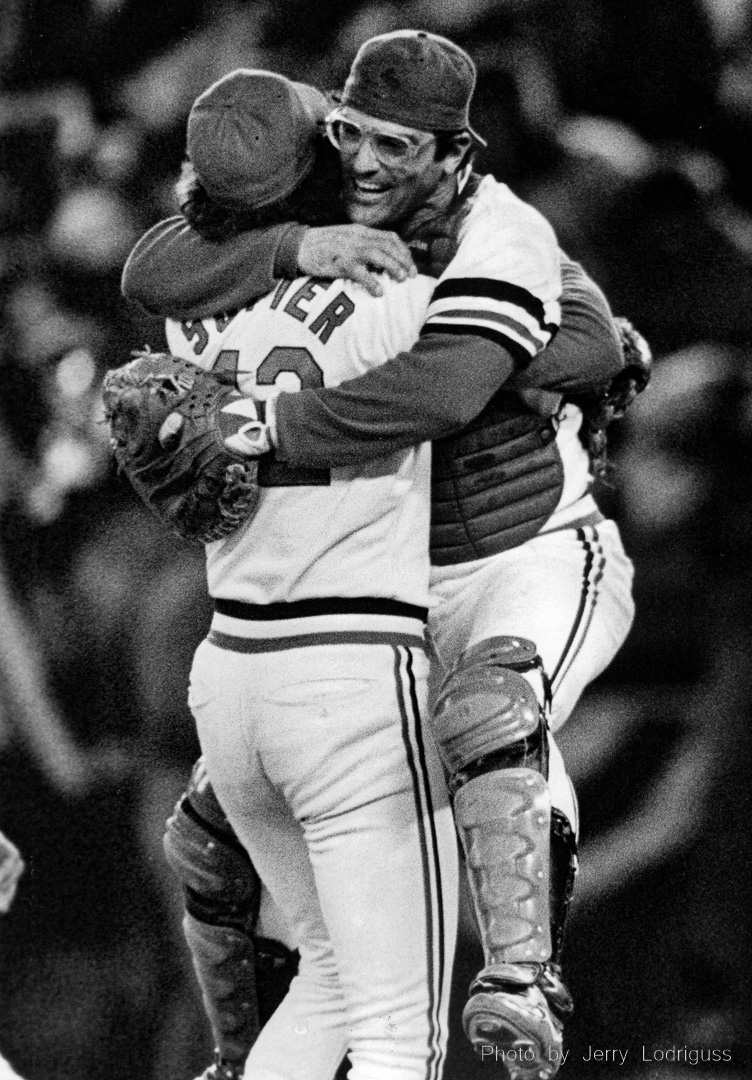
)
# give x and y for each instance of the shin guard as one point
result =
(224, 961)
(504, 821)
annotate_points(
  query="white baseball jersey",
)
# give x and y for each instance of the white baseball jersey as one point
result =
(317, 533)
(504, 281)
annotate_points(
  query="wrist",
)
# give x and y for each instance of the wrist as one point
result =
(288, 250)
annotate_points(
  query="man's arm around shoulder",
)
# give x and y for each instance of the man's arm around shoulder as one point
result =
(173, 271)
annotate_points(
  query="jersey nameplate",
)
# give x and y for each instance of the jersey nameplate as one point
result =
(326, 322)
(323, 325)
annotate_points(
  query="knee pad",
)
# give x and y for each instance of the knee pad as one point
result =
(219, 881)
(487, 714)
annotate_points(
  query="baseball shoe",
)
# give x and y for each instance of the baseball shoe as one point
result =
(515, 1016)
(222, 1069)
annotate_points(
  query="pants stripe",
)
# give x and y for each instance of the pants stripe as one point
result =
(435, 946)
(594, 568)
(438, 884)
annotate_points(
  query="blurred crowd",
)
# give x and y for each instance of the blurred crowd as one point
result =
(629, 127)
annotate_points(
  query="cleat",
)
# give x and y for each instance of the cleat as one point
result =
(519, 1009)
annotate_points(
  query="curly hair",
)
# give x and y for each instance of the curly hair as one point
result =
(317, 200)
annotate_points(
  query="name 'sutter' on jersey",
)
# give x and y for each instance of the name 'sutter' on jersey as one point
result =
(320, 532)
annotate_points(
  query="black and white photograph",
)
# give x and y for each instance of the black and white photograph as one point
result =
(375, 539)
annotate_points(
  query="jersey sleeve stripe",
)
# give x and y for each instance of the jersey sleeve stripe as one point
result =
(501, 291)
(470, 317)
(519, 353)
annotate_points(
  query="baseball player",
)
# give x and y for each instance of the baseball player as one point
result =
(309, 691)
(531, 588)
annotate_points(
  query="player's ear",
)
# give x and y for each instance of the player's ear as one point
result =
(457, 148)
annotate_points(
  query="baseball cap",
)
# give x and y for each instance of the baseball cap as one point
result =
(250, 136)
(414, 78)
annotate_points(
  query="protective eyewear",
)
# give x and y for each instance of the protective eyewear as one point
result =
(390, 150)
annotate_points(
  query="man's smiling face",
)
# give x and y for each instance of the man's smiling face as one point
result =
(389, 171)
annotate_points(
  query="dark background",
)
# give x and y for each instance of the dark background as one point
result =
(628, 124)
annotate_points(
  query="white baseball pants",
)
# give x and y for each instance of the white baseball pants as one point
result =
(569, 591)
(320, 760)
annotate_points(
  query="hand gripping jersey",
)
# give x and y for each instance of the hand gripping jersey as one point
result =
(347, 531)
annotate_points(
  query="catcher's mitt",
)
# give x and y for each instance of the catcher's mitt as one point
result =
(169, 420)
(612, 401)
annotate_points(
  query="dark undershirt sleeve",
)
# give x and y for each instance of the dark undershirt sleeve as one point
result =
(173, 272)
(586, 351)
(433, 390)
(444, 382)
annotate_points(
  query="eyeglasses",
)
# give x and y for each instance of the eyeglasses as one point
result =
(390, 150)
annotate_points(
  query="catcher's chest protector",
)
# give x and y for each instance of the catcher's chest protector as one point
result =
(497, 482)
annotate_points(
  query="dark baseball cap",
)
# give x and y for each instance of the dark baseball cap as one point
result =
(251, 136)
(413, 78)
